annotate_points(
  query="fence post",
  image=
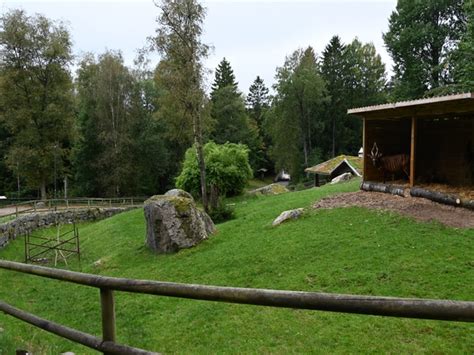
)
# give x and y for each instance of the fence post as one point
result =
(16, 210)
(108, 315)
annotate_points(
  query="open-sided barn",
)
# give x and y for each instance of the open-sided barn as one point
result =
(437, 135)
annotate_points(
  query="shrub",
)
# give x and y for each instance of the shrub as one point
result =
(227, 170)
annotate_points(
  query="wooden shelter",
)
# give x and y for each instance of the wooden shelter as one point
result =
(329, 169)
(437, 133)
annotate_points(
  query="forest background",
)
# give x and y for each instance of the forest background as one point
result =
(115, 130)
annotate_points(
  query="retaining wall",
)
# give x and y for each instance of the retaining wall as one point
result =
(22, 225)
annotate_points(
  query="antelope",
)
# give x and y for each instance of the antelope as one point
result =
(391, 164)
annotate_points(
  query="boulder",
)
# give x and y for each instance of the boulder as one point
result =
(178, 193)
(342, 177)
(286, 215)
(272, 189)
(174, 223)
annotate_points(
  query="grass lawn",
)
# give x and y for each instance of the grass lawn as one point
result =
(348, 250)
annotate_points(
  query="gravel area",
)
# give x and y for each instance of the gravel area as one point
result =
(418, 208)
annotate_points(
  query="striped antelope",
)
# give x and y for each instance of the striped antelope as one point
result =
(391, 164)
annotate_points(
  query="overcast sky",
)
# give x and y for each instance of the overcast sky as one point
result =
(255, 36)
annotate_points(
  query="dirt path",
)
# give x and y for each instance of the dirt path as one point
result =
(418, 208)
(9, 210)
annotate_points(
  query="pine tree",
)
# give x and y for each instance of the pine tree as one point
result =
(258, 100)
(224, 77)
(334, 72)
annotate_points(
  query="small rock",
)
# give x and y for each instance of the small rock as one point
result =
(340, 178)
(286, 215)
(68, 353)
(272, 189)
(98, 263)
(1, 330)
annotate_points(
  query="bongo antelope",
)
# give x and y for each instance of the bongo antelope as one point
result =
(391, 164)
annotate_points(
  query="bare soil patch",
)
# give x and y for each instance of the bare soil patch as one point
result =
(418, 208)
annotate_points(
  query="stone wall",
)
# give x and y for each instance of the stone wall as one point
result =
(22, 225)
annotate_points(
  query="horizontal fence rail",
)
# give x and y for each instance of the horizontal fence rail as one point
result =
(462, 311)
(71, 334)
(33, 206)
(383, 306)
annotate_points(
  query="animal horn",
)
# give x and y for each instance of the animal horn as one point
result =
(373, 148)
(377, 148)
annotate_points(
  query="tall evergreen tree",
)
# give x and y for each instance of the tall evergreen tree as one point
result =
(178, 40)
(258, 100)
(420, 39)
(258, 105)
(231, 121)
(334, 71)
(36, 96)
(355, 76)
(296, 117)
(224, 76)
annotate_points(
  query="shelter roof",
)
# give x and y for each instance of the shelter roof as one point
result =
(456, 104)
(327, 167)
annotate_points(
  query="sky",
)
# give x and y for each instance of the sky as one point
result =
(254, 36)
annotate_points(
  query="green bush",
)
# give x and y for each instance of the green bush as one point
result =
(222, 213)
(227, 169)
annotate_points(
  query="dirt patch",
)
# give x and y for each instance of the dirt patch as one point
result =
(418, 208)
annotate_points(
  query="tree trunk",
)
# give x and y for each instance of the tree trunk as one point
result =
(197, 133)
(305, 149)
(214, 200)
(333, 135)
(435, 196)
(379, 187)
(43, 190)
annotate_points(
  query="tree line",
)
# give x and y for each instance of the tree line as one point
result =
(114, 130)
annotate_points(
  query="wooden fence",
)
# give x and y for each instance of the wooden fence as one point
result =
(33, 206)
(370, 305)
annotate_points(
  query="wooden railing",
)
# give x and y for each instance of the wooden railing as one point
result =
(33, 206)
(461, 311)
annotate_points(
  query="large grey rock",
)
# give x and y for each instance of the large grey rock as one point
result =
(174, 223)
(272, 189)
(342, 177)
(178, 193)
(286, 215)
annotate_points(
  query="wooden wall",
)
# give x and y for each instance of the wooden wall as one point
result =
(445, 150)
(392, 137)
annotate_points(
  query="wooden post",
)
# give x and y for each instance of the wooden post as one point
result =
(364, 145)
(412, 151)
(16, 210)
(108, 314)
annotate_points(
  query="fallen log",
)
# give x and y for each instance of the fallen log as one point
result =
(435, 196)
(468, 204)
(379, 187)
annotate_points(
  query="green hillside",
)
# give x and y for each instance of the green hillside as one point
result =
(339, 250)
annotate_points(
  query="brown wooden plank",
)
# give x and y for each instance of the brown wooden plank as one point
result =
(364, 146)
(412, 151)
